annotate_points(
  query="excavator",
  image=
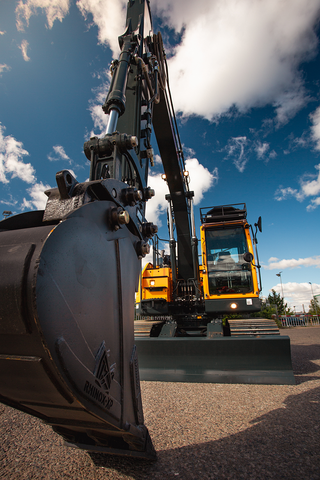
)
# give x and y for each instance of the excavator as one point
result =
(69, 275)
(227, 282)
(200, 327)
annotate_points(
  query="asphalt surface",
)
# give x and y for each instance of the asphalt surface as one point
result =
(200, 431)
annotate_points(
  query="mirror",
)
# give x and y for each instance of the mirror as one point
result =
(259, 224)
(248, 257)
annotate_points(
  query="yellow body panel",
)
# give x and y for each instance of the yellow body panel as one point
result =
(156, 283)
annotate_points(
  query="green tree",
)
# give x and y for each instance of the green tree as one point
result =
(275, 299)
(274, 305)
(314, 307)
(267, 310)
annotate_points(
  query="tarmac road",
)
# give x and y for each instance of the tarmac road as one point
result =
(200, 431)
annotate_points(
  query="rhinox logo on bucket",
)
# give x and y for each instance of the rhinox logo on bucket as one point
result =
(103, 372)
(104, 375)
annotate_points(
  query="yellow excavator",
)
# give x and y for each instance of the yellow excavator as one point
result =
(200, 328)
(69, 275)
(227, 282)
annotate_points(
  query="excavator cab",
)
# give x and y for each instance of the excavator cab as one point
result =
(230, 271)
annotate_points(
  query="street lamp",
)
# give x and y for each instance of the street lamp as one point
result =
(314, 300)
(311, 290)
(6, 213)
(279, 275)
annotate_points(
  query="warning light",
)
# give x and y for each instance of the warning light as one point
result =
(234, 306)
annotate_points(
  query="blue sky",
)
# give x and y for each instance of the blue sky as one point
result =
(245, 83)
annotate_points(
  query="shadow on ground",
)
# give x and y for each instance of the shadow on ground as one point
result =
(281, 444)
(305, 361)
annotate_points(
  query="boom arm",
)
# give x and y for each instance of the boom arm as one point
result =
(134, 98)
(174, 168)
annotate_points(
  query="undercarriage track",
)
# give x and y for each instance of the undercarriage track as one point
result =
(243, 327)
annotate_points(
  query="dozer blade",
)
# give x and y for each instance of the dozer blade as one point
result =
(264, 360)
(67, 351)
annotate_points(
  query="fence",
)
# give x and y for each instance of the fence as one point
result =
(158, 318)
(299, 320)
(286, 320)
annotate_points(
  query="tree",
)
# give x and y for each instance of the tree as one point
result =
(275, 298)
(314, 307)
(274, 305)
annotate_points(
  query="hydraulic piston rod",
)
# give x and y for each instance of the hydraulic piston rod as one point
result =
(112, 123)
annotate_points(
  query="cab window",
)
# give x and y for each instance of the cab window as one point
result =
(228, 272)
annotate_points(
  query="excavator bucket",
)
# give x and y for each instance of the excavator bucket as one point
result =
(67, 353)
(69, 275)
(262, 360)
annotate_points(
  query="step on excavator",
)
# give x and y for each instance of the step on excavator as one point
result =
(69, 273)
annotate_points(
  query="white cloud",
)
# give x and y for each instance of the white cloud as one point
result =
(312, 187)
(53, 9)
(247, 53)
(2, 32)
(4, 68)
(240, 149)
(315, 202)
(261, 149)
(10, 201)
(188, 152)
(157, 205)
(276, 264)
(273, 259)
(38, 197)
(289, 103)
(157, 160)
(300, 142)
(236, 149)
(308, 188)
(60, 151)
(11, 164)
(109, 16)
(24, 47)
(100, 119)
(297, 294)
(201, 180)
(284, 193)
(315, 129)
(59, 154)
(11, 160)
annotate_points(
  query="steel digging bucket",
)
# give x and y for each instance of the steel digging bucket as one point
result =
(67, 352)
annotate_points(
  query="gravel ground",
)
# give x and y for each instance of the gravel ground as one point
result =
(200, 431)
